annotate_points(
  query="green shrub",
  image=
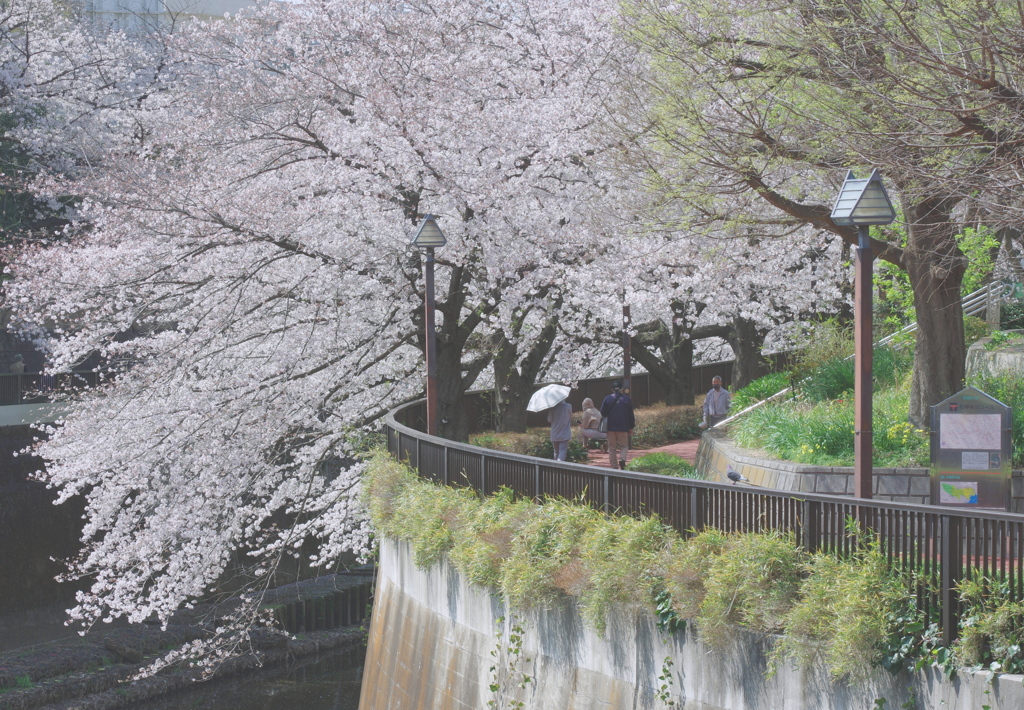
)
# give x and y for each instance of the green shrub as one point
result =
(384, 481)
(665, 464)
(483, 541)
(545, 450)
(660, 424)
(686, 569)
(991, 626)
(545, 561)
(1011, 316)
(975, 329)
(405, 507)
(851, 612)
(843, 613)
(621, 558)
(533, 442)
(760, 389)
(752, 583)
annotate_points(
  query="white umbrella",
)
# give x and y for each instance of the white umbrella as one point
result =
(547, 397)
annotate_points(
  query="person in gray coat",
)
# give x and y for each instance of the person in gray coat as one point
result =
(716, 404)
(560, 418)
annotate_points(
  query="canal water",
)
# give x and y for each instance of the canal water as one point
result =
(328, 682)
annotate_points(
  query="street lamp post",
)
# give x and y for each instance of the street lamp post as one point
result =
(627, 357)
(863, 203)
(428, 237)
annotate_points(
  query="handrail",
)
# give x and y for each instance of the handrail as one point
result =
(34, 388)
(941, 543)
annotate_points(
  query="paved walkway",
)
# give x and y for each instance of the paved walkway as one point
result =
(686, 449)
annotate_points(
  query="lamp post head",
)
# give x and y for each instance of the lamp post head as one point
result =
(429, 235)
(863, 202)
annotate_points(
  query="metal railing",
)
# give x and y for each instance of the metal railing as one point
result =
(942, 546)
(36, 388)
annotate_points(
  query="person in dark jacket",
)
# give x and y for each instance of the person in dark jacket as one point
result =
(618, 408)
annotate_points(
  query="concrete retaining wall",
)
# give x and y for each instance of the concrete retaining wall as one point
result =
(901, 485)
(432, 637)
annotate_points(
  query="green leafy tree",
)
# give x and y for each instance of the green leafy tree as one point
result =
(758, 112)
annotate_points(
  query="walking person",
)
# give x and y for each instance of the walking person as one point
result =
(716, 404)
(560, 418)
(618, 409)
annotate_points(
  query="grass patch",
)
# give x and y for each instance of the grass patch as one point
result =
(822, 433)
(758, 390)
(664, 464)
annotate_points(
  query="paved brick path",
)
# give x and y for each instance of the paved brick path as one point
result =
(686, 449)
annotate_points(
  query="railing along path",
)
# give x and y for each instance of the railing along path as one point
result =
(35, 388)
(942, 545)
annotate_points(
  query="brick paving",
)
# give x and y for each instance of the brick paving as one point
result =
(686, 449)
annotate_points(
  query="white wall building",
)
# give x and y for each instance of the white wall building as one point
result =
(149, 15)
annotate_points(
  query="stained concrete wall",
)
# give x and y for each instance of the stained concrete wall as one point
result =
(432, 636)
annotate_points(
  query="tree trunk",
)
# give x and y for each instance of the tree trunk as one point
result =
(511, 391)
(513, 380)
(936, 269)
(675, 371)
(453, 423)
(672, 367)
(747, 341)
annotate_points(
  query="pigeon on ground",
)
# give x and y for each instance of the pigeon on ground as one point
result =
(735, 476)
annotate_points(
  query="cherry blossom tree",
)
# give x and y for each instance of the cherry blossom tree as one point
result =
(242, 265)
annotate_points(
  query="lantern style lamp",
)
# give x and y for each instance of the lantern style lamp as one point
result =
(862, 203)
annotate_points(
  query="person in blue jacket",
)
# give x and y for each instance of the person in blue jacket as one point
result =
(618, 409)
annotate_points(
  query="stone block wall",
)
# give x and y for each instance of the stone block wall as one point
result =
(901, 485)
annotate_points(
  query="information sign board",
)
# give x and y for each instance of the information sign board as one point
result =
(971, 451)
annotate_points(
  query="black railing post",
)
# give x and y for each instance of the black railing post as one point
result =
(483, 474)
(446, 466)
(607, 494)
(698, 496)
(810, 526)
(536, 482)
(950, 575)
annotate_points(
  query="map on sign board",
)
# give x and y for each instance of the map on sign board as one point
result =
(958, 493)
(970, 431)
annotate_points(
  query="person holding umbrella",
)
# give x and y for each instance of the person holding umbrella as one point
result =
(561, 430)
(552, 398)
